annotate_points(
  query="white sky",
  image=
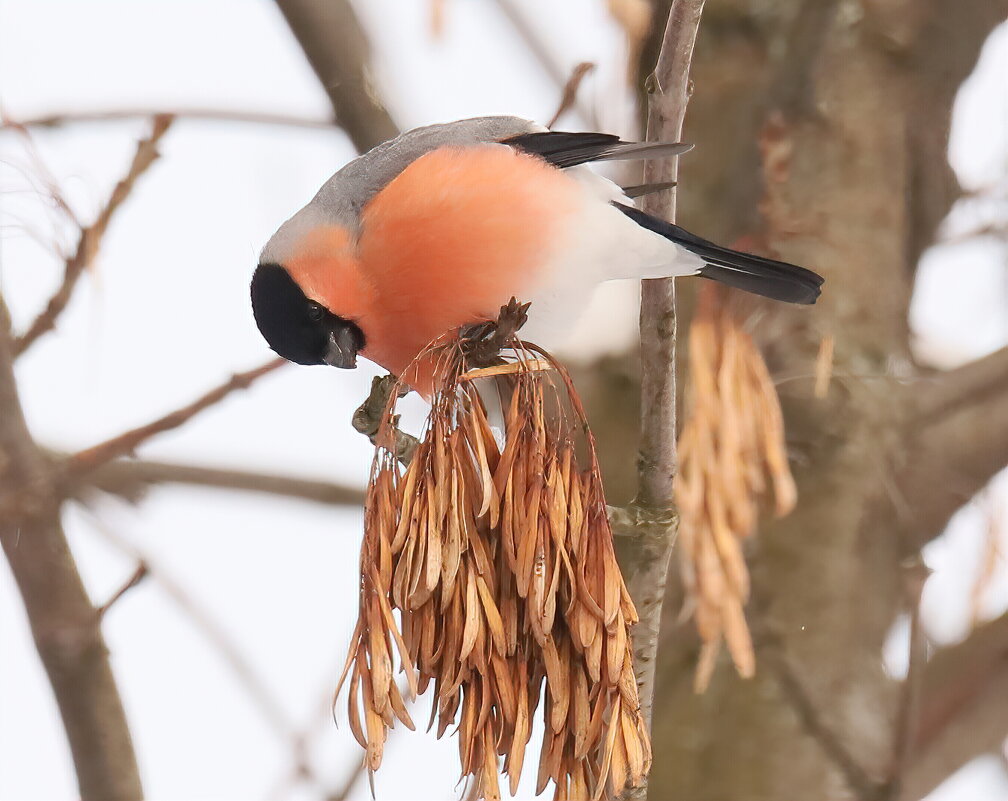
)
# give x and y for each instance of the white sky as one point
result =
(166, 315)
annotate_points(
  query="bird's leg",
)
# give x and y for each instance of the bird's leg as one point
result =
(368, 417)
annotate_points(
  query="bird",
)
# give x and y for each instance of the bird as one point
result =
(439, 227)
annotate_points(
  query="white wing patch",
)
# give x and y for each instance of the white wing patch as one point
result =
(599, 244)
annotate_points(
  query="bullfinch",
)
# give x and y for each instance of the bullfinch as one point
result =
(441, 226)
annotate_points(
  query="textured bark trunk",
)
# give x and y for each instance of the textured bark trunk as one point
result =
(826, 585)
(807, 117)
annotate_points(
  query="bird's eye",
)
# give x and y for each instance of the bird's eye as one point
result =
(314, 312)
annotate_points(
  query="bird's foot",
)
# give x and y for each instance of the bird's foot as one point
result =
(370, 414)
(483, 342)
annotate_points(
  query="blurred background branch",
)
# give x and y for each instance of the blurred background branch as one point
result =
(131, 478)
(964, 707)
(127, 442)
(91, 236)
(339, 51)
(65, 625)
(62, 119)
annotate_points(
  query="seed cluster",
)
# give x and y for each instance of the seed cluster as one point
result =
(732, 443)
(500, 562)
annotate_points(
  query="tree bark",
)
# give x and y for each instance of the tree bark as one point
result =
(338, 50)
(804, 113)
(646, 550)
(65, 625)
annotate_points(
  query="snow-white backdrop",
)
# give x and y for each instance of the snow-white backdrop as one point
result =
(165, 315)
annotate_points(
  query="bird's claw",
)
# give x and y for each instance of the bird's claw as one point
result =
(369, 415)
(482, 342)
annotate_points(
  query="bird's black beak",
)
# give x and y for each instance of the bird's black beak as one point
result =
(342, 348)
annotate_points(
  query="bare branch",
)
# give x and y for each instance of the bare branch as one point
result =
(543, 54)
(350, 782)
(964, 708)
(337, 48)
(945, 392)
(960, 427)
(219, 639)
(649, 550)
(128, 441)
(64, 624)
(190, 113)
(130, 478)
(91, 237)
(570, 90)
(137, 576)
(212, 631)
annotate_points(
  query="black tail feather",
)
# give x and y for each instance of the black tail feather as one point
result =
(761, 276)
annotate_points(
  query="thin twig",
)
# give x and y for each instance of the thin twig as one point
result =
(38, 170)
(91, 236)
(138, 575)
(208, 114)
(648, 552)
(324, 718)
(130, 478)
(127, 442)
(570, 90)
(543, 53)
(350, 782)
(217, 636)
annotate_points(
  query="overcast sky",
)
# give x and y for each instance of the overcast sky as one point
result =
(166, 315)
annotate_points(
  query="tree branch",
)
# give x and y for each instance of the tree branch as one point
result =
(91, 237)
(139, 574)
(130, 478)
(946, 392)
(60, 119)
(64, 624)
(127, 442)
(863, 786)
(960, 428)
(964, 708)
(569, 95)
(943, 53)
(541, 51)
(648, 552)
(337, 48)
(219, 639)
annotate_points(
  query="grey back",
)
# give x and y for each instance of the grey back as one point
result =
(343, 196)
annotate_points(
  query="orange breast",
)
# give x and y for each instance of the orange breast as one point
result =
(325, 266)
(452, 238)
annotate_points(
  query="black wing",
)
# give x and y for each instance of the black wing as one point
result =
(563, 149)
(761, 276)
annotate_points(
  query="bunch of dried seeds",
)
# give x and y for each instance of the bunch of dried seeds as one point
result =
(500, 563)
